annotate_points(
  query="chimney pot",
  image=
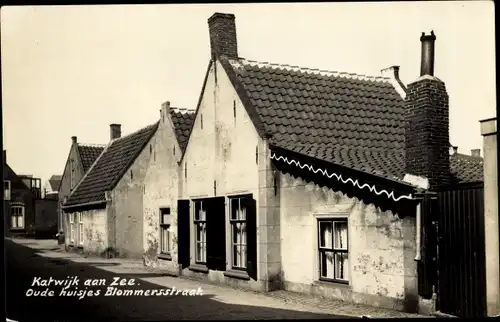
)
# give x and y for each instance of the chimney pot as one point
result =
(74, 139)
(475, 152)
(427, 62)
(455, 149)
(115, 131)
(222, 30)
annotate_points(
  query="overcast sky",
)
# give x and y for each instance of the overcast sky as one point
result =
(73, 70)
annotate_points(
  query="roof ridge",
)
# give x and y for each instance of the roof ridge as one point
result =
(314, 70)
(182, 110)
(137, 131)
(97, 145)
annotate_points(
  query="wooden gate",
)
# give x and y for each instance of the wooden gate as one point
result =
(461, 264)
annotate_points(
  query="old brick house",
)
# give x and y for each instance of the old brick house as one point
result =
(105, 208)
(304, 179)
(80, 157)
(26, 213)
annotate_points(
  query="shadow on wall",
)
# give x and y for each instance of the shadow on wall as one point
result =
(118, 308)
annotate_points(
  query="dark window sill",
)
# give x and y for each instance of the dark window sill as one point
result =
(336, 283)
(17, 229)
(165, 256)
(242, 275)
(198, 268)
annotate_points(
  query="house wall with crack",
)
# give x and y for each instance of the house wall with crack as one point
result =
(381, 247)
(161, 187)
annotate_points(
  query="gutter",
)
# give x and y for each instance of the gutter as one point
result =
(91, 203)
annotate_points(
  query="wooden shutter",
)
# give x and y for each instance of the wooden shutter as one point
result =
(216, 233)
(250, 204)
(183, 240)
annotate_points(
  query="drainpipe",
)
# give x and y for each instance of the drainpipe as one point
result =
(418, 256)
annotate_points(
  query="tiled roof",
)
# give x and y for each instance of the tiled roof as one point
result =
(54, 182)
(467, 168)
(183, 120)
(110, 167)
(88, 154)
(347, 119)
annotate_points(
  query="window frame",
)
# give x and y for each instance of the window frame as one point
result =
(9, 189)
(79, 217)
(72, 228)
(167, 227)
(22, 215)
(232, 226)
(322, 249)
(199, 224)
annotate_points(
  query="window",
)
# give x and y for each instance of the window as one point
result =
(72, 228)
(200, 222)
(165, 245)
(238, 234)
(80, 228)
(6, 190)
(17, 217)
(333, 252)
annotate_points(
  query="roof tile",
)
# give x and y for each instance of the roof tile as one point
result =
(110, 167)
(321, 114)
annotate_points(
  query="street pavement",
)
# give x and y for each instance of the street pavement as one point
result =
(24, 265)
(27, 259)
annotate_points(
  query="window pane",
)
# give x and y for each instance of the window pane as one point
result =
(20, 221)
(204, 232)
(236, 256)
(200, 252)
(14, 221)
(243, 249)
(326, 264)
(340, 235)
(199, 211)
(325, 234)
(342, 266)
(167, 248)
(242, 214)
(234, 208)
(236, 233)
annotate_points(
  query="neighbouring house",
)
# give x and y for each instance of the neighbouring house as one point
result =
(51, 187)
(80, 157)
(161, 187)
(26, 213)
(301, 179)
(105, 209)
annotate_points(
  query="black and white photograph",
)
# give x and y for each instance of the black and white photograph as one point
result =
(250, 161)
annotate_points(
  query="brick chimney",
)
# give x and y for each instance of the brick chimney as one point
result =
(427, 122)
(222, 29)
(74, 139)
(475, 152)
(115, 131)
